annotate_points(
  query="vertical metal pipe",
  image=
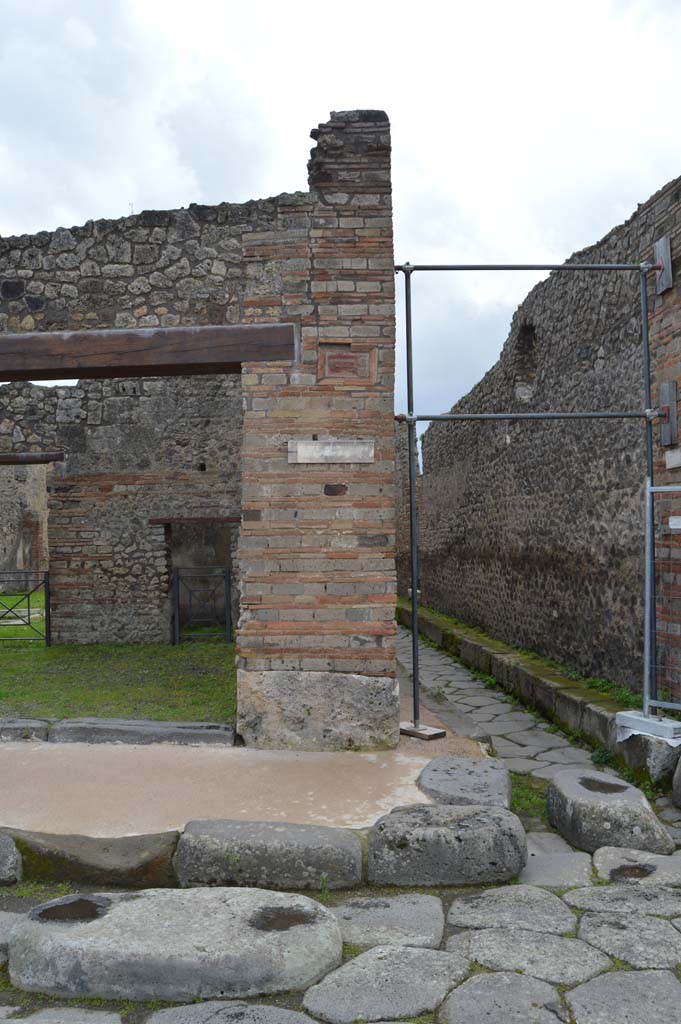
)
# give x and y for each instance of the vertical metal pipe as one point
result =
(650, 624)
(413, 522)
(48, 611)
(176, 606)
(228, 607)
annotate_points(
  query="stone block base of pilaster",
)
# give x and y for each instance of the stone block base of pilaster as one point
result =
(317, 710)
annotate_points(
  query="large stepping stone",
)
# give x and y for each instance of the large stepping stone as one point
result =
(386, 983)
(227, 1013)
(7, 923)
(438, 844)
(511, 998)
(636, 939)
(654, 900)
(591, 809)
(627, 997)
(273, 855)
(409, 920)
(519, 906)
(174, 945)
(467, 780)
(547, 957)
(10, 861)
(615, 864)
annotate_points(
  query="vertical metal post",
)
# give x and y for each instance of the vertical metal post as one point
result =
(176, 606)
(48, 611)
(413, 520)
(650, 613)
(228, 607)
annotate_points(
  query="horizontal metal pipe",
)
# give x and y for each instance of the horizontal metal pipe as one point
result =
(667, 489)
(410, 268)
(449, 417)
(664, 704)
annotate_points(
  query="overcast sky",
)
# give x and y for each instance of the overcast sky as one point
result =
(521, 131)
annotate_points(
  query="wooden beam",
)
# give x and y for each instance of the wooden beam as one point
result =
(148, 352)
(194, 519)
(29, 458)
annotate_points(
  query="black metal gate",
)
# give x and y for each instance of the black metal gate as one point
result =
(25, 606)
(202, 604)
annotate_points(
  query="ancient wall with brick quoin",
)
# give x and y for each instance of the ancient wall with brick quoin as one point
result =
(534, 532)
(316, 552)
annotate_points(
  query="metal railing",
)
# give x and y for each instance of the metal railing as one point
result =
(23, 618)
(202, 604)
(646, 415)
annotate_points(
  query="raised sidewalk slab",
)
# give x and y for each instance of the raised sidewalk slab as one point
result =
(560, 699)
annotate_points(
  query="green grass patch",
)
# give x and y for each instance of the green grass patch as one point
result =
(188, 682)
(529, 796)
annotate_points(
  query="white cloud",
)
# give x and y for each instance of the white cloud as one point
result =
(521, 131)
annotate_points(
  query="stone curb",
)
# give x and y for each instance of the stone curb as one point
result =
(558, 698)
(116, 730)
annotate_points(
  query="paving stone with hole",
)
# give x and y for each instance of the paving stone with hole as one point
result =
(654, 900)
(558, 870)
(636, 939)
(467, 780)
(7, 923)
(591, 810)
(519, 906)
(511, 998)
(439, 844)
(231, 1012)
(550, 958)
(627, 997)
(174, 945)
(10, 861)
(615, 864)
(275, 855)
(386, 983)
(409, 920)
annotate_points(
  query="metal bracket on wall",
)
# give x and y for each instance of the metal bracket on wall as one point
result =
(662, 255)
(669, 416)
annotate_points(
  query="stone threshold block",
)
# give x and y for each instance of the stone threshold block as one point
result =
(440, 844)
(273, 855)
(174, 945)
(318, 710)
(591, 809)
(14, 729)
(140, 731)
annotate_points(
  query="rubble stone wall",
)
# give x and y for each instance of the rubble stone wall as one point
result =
(534, 531)
(316, 552)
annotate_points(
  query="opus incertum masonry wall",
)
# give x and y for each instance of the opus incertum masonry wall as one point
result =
(304, 451)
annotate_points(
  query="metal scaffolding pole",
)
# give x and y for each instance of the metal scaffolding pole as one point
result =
(647, 415)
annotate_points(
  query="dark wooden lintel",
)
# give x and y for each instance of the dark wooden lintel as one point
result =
(143, 352)
(29, 458)
(194, 519)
